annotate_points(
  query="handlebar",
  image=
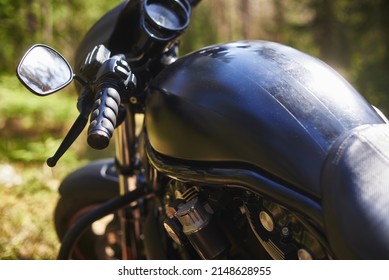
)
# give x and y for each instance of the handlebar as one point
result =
(103, 117)
(114, 83)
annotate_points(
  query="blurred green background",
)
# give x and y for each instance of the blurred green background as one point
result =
(350, 35)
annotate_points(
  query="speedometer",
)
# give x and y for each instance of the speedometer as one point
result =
(165, 17)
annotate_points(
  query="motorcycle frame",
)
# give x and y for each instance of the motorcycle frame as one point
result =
(126, 164)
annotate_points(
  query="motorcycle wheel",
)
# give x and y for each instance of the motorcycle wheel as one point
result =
(99, 241)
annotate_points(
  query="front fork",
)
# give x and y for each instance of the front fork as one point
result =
(127, 165)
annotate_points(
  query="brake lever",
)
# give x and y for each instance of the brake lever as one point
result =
(77, 127)
(70, 137)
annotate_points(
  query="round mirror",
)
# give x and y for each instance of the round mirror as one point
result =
(44, 71)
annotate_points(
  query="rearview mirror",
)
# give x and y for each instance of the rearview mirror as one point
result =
(44, 71)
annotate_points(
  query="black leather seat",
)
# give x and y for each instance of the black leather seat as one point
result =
(355, 186)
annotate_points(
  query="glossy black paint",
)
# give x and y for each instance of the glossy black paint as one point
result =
(257, 103)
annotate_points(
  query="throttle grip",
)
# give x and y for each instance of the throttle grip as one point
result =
(103, 117)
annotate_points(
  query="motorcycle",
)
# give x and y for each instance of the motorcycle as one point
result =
(240, 150)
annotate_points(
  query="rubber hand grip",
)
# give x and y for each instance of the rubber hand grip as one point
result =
(103, 117)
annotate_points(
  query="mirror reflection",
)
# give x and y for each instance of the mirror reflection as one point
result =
(44, 71)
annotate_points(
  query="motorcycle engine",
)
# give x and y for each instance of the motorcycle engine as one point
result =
(193, 221)
(219, 222)
(282, 233)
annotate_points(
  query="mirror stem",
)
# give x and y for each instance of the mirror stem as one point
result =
(80, 80)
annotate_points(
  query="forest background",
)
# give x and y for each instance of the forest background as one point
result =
(350, 35)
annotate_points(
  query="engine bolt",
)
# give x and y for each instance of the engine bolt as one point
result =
(285, 231)
(266, 221)
(303, 254)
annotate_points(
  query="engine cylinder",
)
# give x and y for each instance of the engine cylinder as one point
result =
(202, 230)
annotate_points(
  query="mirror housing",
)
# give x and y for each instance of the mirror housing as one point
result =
(44, 71)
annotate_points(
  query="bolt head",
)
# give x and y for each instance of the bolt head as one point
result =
(303, 254)
(266, 221)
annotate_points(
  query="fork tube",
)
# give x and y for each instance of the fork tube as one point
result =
(125, 146)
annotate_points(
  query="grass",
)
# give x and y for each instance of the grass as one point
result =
(32, 128)
(26, 215)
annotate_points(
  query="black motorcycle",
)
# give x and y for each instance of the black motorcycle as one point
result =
(242, 150)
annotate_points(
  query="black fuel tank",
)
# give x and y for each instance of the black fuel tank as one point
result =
(254, 102)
